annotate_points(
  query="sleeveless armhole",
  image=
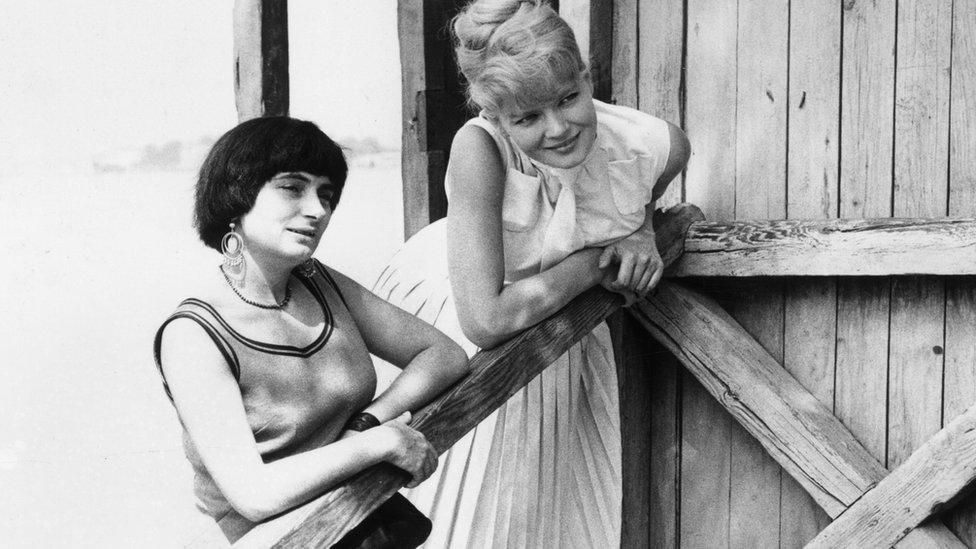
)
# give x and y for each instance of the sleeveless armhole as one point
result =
(328, 277)
(225, 349)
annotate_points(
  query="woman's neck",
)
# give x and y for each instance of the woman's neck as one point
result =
(265, 280)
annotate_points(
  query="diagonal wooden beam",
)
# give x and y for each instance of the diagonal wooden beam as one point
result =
(801, 434)
(496, 375)
(831, 247)
(930, 481)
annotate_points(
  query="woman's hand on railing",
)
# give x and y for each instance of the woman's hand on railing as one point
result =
(409, 449)
(638, 263)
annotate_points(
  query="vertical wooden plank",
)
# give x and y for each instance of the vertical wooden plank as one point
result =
(633, 350)
(261, 58)
(867, 102)
(634, 357)
(413, 158)
(665, 404)
(660, 74)
(921, 155)
(811, 305)
(710, 183)
(960, 347)
(760, 193)
(754, 500)
(624, 73)
(710, 106)
(660, 39)
(433, 107)
(593, 24)
(960, 376)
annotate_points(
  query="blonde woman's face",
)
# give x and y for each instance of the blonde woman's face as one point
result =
(560, 132)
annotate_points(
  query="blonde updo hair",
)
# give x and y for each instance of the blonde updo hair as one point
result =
(517, 51)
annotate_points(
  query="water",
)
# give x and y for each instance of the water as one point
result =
(90, 451)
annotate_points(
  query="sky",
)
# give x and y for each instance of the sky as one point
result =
(84, 78)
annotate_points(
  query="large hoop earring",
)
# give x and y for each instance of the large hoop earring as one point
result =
(232, 247)
(307, 269)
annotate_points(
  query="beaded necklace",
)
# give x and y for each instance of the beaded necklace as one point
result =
(276, 306)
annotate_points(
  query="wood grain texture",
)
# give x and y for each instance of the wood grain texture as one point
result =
(433, 107)
(754, 497)
(760, 193)
(660, 44)
(920, 189)
(593, 25)
(710, 121)
(660, 76)
(261, 58)
(495, 375)
(867, 130)
(710, 116)
(809, 348)
(928, 481)
(630, 350)
(837, 247)
(413, 141)
(792, 425)
(960, 346)
(624, 52)
(810, 307)
(633, 355)
(666, 406)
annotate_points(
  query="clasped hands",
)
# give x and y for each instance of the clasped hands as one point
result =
(639, 265)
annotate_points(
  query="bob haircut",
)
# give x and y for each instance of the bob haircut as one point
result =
(248, 156)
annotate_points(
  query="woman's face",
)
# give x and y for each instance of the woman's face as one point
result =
(559, 132)
(289, 216)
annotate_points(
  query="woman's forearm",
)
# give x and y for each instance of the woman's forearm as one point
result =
(268, 489)
(425, 377)
(530, 300)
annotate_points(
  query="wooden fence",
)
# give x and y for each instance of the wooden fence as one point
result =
(815, 109)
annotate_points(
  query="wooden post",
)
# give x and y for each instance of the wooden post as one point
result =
(495, 375)
(592, 23)
(433, 106)
(790, 423)
(928, 482)
(261, 58)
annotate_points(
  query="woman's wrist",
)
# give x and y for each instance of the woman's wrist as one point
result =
(361, 422)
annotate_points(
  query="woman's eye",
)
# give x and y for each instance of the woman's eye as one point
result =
(570, 98)
(526, 120)
(290, 188)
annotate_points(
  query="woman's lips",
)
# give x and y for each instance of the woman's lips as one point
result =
(565, 145)
(309, 233)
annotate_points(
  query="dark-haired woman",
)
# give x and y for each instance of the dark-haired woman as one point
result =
(268, 363)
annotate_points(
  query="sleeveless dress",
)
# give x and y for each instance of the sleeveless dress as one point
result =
(544, 470)
(295, 398)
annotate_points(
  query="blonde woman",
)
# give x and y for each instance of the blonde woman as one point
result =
(550, 193)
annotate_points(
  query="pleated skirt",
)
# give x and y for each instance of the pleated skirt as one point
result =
(544, 469)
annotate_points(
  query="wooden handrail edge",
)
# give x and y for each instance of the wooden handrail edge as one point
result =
(832, 247)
